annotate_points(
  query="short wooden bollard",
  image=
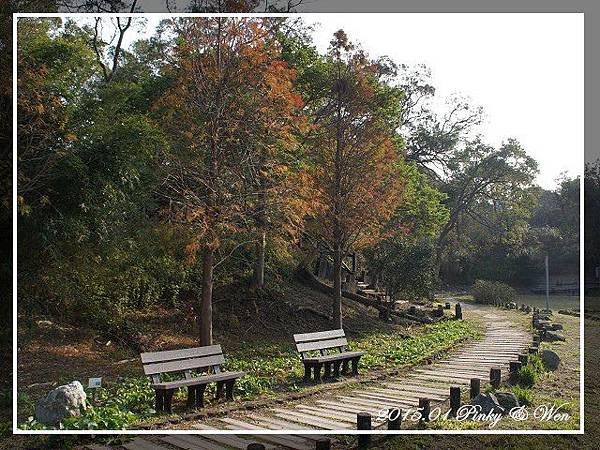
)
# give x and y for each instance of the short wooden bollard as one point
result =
(425, 408)
(412, 309)
(495, 377)
(454, 400)
(363, 422)
(458, 312)
(255, 446)
(523, 358)
(475, 388)
(323, 444)
(514, 367)
(394, 419)
(533, 350)
(537, 339)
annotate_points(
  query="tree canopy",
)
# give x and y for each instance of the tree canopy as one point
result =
(224, 149)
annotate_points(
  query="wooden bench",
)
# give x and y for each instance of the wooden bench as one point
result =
(205, 361)
(332, 349)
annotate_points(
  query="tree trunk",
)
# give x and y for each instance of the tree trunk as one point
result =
(337, 287)
(206, 302)
(259, 264)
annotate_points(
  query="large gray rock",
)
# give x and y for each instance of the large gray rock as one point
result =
(488, 403)
(507, 400)
(550, 359)
(552, 336)
(64, 401)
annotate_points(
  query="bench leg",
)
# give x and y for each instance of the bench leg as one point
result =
(317, 369)
(168, 399)
(229, 389)
(345, 366)
(219, 392)
(336, 368)
(160, 400)
(191, 398)
(355, 366)
(200, 395)
(327, 371)
(307, 368)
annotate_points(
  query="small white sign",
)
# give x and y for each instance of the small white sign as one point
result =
(95, 382)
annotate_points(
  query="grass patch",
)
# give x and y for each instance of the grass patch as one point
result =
(524, 395)
(271, 369)
(532, 372)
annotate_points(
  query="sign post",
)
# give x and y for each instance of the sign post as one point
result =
(547, 285)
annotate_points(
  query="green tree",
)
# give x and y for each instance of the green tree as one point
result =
(405, 260)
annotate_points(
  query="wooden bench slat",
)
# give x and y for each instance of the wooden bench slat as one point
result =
(169, 355)
(334, 357)
(182, 364)
(318, 336)
(223, 376)
(321, 345)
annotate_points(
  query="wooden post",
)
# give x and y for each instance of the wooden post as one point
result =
(454, 400)
(425, 408)
(533, 350)
(547, 283)
(160, 399)
(323, 444)
(475, 388)
(495, 377)
(514, 367)
(255, 446)
(229, 389)
(458, 312)
(523, 358)
(394, 418)
(363, 422)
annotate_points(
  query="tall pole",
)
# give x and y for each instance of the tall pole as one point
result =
(547, 285)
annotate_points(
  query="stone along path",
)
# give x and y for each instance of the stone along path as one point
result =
(502, 342)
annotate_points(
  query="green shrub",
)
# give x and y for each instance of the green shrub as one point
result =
(492, 292)
(524, 395)
(527, 376)
(531, 373)
(536, 364)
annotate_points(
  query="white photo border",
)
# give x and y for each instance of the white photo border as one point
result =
(16, 430)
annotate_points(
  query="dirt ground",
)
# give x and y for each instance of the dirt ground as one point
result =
(51, 353)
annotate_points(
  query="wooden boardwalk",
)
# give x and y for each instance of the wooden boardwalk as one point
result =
(502, 342)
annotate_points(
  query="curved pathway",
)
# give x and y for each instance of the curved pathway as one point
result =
(502, 342)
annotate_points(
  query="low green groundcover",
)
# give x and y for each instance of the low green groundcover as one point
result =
(270, 369)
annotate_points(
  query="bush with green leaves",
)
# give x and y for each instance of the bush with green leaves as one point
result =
(531, 373)
(524, 395)
(492, 292)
